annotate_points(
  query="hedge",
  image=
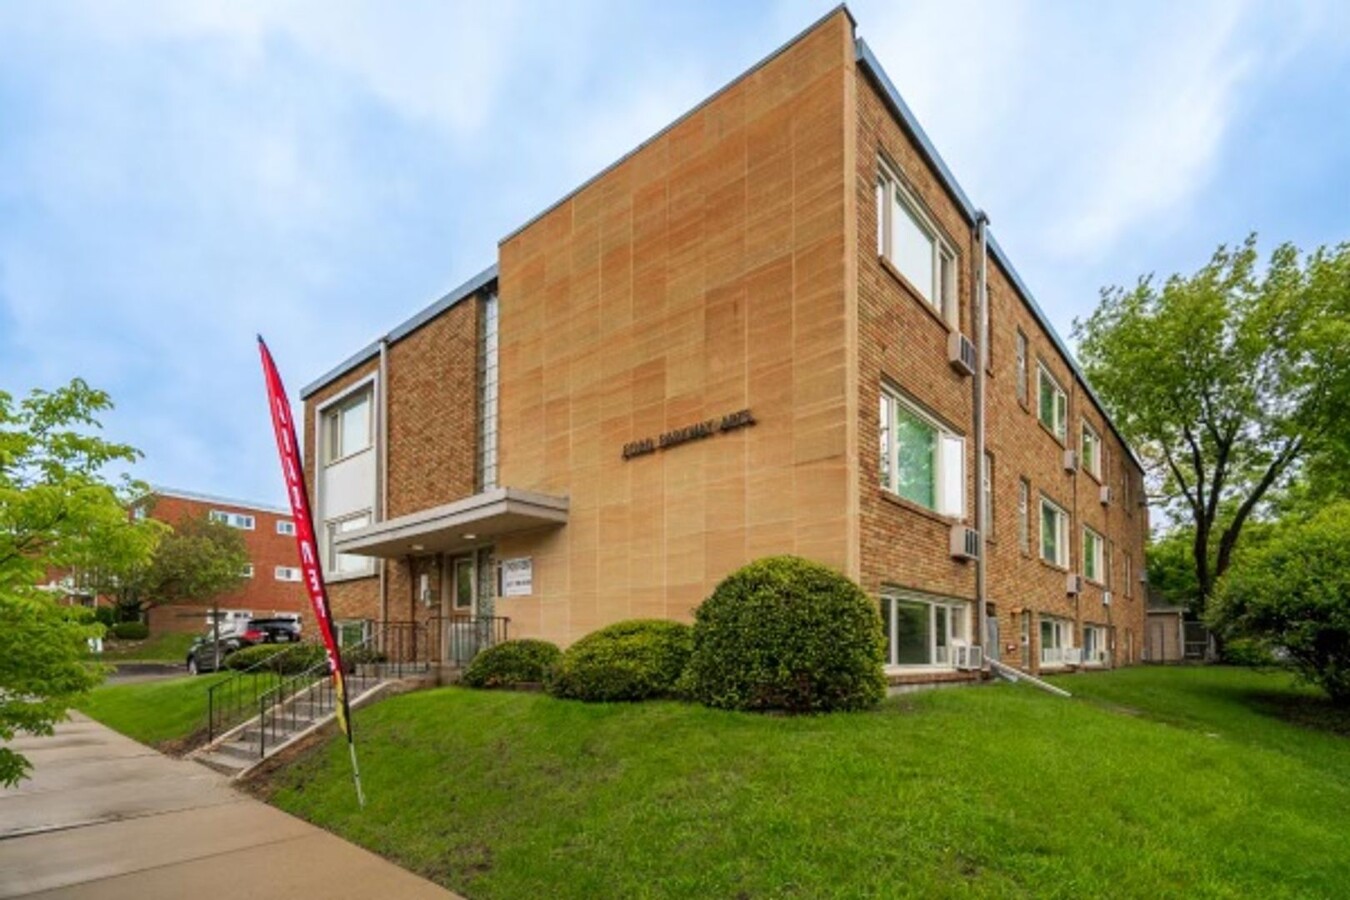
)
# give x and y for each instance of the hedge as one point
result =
(633, 660)
(130, 631)
(784, 633)
(512, 662)
(287, 659)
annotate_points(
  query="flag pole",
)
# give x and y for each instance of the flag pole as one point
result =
(292, 470)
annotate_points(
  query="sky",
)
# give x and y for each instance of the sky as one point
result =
(177, 176)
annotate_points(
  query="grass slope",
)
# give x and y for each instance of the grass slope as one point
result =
(1002, 791)
(152, 712)
(160, 648)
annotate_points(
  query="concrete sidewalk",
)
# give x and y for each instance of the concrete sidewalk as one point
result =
(105, 817)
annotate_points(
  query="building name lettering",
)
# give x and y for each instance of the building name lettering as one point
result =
(697, 431)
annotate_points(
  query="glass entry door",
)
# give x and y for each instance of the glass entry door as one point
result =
(461, 634)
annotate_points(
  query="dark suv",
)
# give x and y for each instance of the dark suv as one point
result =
(203, 658)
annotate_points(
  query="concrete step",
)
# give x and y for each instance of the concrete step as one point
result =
(243, 751)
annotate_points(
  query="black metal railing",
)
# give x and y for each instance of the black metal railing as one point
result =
(464, 637)
(234, 699)
(309, 696)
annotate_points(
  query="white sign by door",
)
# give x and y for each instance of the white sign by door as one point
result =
(518, 577)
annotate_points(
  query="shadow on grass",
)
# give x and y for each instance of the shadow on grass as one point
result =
(1304, 710)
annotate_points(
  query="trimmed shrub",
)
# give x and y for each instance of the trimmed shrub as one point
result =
(360, 656)
(512, 662)
(1247, 652)
(105, 616)
(130, 631)
(285, 659)
(633, 660)
(784, 633)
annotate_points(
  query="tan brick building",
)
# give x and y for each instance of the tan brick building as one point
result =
(755, 334)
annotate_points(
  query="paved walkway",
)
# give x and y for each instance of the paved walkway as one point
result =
(104, 817)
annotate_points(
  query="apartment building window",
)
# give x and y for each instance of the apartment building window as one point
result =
(1056, 637)
(1090, 448)
(988, 494)
(920, 460)
(1129, 575)
(921, 631)
(1093, 568)
(1054, 403)
(1054, 533)
(287, 573)
(286, 527)
(487, 394)
(346, 563)
(1024, 514)
(246, 571)
(1127, 489)
(1021, 367)
(909, 240)
(1094, 645)
(347, 426)
(234, 520)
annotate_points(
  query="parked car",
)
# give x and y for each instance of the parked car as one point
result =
(206, 655)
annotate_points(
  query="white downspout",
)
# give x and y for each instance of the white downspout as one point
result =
(982, 366)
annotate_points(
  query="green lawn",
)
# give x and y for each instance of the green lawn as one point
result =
(160, 648)
(1157, 783)
(152, 712)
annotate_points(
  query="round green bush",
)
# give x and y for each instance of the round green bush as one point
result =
(285, 659)
(784, 633)
(1247, 652)
(512, 662)
(633, 660)
(130, 631)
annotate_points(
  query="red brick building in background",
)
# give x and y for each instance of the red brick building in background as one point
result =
(273, 582)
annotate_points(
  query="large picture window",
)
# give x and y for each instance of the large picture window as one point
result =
(1053, 404)
(921, 631)
(1093, 567)
(1056, 637)
(1091, 450)
(1094, 645)
(919, 459)
(909, 240)
(1054, 533)
(347, 426)
(340, 564)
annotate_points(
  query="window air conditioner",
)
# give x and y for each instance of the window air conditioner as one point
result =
(1070, 460)
(1074, 584)
(1073, 656)
(965, 542)
(967, 658)
(961, 353)
(1106, 598)
(1106, 495)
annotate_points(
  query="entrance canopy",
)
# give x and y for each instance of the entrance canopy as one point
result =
(456, 526)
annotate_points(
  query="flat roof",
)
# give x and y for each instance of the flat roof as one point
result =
(157, 490)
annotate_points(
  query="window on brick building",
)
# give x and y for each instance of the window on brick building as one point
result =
(1129, 575)
(1021, 367)
(232, 519)
(1056, 637)
(919, 459)
(1094, 569)
(347, 563)
(286, 527)
(287, 573)
(246, 571)
(347, 426)
(1090, 448)
(1054, 533)
(988, 494)
(1024, 514)
(1054, 403)
(909, 240)
(921, 630)
(1094, 645)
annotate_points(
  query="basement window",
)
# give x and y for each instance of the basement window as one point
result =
(921, 631)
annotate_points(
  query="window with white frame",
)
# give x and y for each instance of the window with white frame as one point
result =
(1093, 545)
(487, 394)
(1024, 514)
(286, 527)
(1094, 645)
(1056, 637)
(909, 240)
(1129, 575)
(1021, 366)
(347, 563)
(921, 631)
(287, 573)
(920, 460)
(1054, 403)
(347, 426)
(1054, 533)
(246, 571)
(232, 519)
(988, 494)
(1090, 448)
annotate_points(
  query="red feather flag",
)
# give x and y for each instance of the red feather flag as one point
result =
(311, 572)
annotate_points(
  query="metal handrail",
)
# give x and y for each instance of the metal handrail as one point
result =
(227, 700)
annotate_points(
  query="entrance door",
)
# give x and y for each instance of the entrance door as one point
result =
(461, 632)
(1157, 642)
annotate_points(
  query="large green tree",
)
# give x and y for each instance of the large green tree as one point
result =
(198, 560)
(1226, 381)
(56, 509)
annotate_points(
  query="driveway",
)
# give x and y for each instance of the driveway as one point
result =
(105, 817)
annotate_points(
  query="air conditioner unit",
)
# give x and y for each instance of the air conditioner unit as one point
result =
(1106, 598)
(1073, 584)
(1105, 495)
(1143, 576)
(961, 353)
(967, 658)
(1071, 460)
(1073, 656)
(965, 542)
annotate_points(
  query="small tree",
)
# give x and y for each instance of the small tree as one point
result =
(1293, 591)
(56, 510)
(1226, 381)
(196, 561)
